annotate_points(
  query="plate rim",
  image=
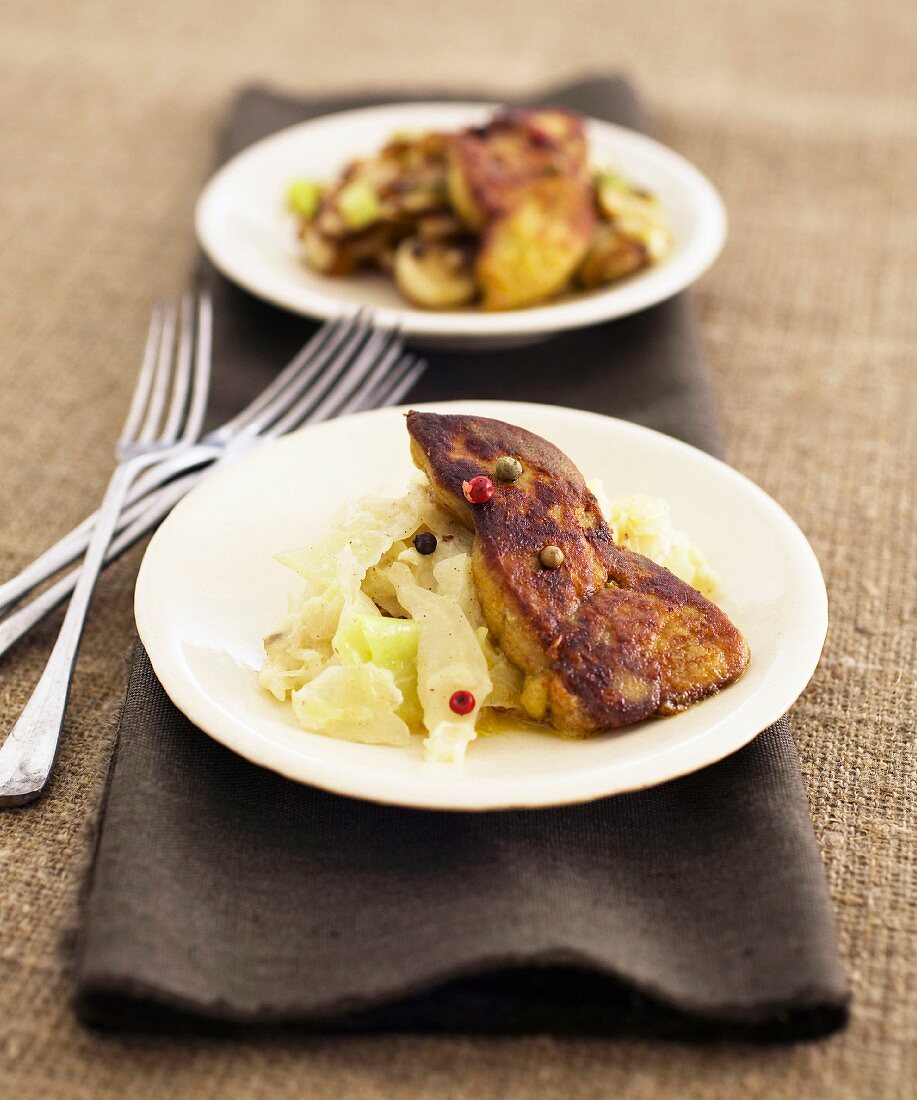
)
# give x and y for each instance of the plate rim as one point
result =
(609, 304)
(206, 715)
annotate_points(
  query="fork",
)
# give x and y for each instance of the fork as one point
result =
(328, 348)
(357, 389)
(166, 415)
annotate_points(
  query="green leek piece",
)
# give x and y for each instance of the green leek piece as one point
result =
(357, 204)
(303, 196)
(387, 643)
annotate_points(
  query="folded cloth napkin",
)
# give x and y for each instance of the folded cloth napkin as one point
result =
(222, 893)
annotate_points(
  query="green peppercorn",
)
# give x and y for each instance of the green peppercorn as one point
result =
(508, 468)
(552, 557)
(425, 542)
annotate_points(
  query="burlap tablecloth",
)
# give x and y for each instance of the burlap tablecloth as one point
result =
(804, 116)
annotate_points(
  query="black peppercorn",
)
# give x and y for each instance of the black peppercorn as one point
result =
(425, 543)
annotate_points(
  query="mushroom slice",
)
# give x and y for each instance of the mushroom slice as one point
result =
(439, 225)
(435, 274)
(634, 213)
(343, 254)
(329, 255)
(611, 256)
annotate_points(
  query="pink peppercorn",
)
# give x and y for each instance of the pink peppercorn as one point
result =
(462, 702)
(479, 490)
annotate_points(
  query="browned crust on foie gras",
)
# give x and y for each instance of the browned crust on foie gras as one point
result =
(607, 639)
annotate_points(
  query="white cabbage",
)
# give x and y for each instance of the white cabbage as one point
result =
(449, 659)
(354, 703)
(644, 524)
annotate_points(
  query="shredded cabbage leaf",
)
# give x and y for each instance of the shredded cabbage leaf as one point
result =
(644, 524)
(449, 659)
(353, 702)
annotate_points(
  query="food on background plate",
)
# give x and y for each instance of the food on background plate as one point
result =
(502, 215)
(496, 584)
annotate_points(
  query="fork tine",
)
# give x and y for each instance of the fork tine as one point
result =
(202, 362)
(144, 378)
(309, 375)
(182, 381)
(161, 379)
(352, 375)
(398, 384)
(174, 376)
(358, 352)
(297, 374)
(362, 396)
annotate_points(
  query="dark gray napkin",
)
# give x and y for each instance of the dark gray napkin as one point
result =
(222, 894)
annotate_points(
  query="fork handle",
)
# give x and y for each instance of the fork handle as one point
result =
(155, 507)
(68, 548)
(28, 754)
(133, 524)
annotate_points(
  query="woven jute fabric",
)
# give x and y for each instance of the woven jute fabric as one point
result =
(801, 114)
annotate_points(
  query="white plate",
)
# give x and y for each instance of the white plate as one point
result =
(209, 590)
(244, 227)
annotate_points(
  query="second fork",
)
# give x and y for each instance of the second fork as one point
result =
(166, 414)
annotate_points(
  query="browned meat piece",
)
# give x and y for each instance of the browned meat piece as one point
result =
(523, 182)
(611, 256)
(490, 165)
(531, 252)
(608, 638)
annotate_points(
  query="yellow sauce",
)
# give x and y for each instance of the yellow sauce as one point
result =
(494, 722)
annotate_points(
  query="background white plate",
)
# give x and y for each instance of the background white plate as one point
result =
(244, 227)
(209, 590)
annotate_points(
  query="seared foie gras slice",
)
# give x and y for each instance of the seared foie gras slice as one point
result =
(523, 182)
(606, 639)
